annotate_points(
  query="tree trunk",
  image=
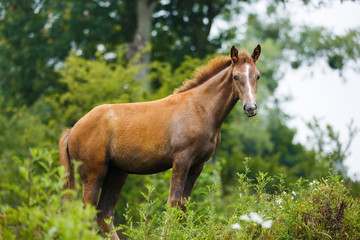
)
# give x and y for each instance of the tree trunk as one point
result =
(142, 37)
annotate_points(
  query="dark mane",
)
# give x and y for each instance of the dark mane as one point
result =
(203, 73)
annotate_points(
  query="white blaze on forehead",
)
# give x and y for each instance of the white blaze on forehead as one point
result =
(247, 72)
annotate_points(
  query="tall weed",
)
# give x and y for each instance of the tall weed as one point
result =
(41, 210)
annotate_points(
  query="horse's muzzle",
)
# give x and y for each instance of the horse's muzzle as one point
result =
(250, 109)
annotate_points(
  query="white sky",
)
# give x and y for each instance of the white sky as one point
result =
(324, 94)
(320, 91)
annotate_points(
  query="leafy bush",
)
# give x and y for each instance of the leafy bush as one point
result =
(37, 209)
(321, 209)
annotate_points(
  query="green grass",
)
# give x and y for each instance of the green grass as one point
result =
(321, 209)
(35, 208)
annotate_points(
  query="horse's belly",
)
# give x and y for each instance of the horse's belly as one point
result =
(140, 159)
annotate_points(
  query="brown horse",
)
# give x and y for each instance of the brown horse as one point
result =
(180, 131)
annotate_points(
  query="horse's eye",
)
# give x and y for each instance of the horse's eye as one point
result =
(236, 77)
(258, 78)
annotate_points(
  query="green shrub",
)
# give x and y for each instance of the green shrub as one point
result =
(35, 207)
(38, 209)
(321, 209)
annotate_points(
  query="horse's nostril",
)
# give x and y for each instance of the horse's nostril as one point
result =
(250, 107)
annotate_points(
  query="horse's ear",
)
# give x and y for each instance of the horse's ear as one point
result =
(234, 54)
(256, 53)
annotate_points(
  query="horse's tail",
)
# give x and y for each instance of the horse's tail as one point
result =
(65, 160)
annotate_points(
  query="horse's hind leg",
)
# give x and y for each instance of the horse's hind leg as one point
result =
(110, 192)
(92, 178)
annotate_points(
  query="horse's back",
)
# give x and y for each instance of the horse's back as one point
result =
(134, 136)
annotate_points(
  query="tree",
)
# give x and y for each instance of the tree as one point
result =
(183, 27)
(25, 46)
(36, 36)
(142, 37)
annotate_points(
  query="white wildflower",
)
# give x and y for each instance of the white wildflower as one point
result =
(255, 217)
(293, 193)
(313, 183)
(235, 226)
(267, 224)
(245, 218)
(109, 56)
(100, 48)
(278, 200)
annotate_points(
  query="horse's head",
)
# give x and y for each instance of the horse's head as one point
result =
(245, 78)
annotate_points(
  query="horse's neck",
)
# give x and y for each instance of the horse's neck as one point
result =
(217, 96)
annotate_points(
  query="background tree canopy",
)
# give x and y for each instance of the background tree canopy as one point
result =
(59, 59)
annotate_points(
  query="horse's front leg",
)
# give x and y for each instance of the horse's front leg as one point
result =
(178, 179)
(180, 171)
(182, 182)
(192, 176)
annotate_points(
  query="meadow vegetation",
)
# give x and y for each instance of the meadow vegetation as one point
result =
(319, 209)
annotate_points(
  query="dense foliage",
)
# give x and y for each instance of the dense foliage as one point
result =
(38, 209)
(318, 209)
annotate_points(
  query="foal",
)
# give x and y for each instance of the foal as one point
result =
(180, 131)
